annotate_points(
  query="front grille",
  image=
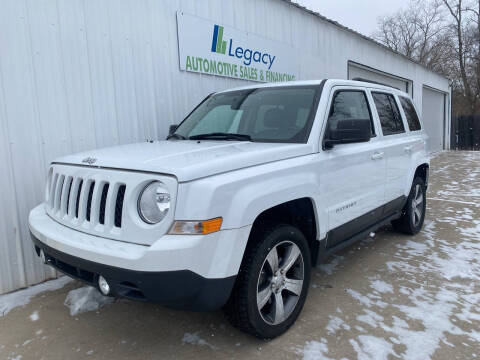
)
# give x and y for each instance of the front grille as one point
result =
(86, 200)
(103, 202)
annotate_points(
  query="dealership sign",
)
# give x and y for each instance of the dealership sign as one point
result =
(210, 48)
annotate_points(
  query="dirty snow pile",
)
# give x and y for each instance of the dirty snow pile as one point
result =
(85, 299)
(22, 297)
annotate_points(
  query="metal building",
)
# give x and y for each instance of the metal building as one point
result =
(78, 75)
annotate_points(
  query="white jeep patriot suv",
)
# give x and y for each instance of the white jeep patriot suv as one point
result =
(257, 185)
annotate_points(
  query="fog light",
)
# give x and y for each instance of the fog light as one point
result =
(103, 285)
(42, 257)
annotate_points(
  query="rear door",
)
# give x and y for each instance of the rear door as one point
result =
(397, 146)
(353, 175)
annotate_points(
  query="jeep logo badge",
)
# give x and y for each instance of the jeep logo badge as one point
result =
(89, 160)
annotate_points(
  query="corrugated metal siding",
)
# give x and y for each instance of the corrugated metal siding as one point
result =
(78, 75)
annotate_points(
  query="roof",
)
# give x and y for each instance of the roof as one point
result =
(345, 28)
(340, 82)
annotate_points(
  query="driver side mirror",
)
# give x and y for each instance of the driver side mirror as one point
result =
(172, 129)
(347, 131)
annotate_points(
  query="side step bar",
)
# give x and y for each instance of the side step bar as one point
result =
(324, 253)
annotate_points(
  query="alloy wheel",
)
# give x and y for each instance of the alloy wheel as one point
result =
(280, 282)
(417, 205)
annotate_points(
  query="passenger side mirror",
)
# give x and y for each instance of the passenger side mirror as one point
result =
(172, 129)
(347, 131)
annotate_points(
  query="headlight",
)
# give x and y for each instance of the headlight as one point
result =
(154, 202)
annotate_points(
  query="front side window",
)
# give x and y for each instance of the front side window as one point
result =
(277, 114)
(349, 105)
(410, 114)
(388, 112)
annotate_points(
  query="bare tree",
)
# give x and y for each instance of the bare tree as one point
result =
(414, 31)
(457, 13)
(443, 35)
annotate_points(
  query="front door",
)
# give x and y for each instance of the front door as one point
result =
(353, 178)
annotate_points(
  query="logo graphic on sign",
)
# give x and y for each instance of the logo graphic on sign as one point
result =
(218, 45)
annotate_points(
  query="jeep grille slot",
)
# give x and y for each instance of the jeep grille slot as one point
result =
(119, 206)
(103, 202)
(69, 190)
(77, 202)
(89, 200)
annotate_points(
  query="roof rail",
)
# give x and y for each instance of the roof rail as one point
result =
(374, 82)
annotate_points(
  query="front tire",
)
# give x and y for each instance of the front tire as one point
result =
(413, 213)
(273, 282)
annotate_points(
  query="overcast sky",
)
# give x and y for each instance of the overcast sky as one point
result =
(359, 15)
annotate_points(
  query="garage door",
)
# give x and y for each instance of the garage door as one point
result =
(357, 71)
(433, 115)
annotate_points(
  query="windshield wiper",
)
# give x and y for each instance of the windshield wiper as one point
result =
(176, 136)
(221, 136)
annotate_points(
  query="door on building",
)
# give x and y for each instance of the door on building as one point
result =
(361, 72)
(433, 116)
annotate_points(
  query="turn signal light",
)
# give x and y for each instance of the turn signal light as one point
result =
(196, 227)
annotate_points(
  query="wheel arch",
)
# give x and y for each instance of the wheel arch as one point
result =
(422, 169)
(300, 213)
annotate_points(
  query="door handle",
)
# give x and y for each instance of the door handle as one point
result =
(377, 156)
(408, 149)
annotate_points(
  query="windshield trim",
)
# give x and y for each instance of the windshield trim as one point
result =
(311, 116)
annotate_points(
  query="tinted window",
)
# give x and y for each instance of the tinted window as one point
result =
(410, 114)
(278, 114)
(348, 105)
(388, 113)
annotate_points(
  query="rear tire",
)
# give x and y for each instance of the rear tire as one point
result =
(272, 283)
(413, 214)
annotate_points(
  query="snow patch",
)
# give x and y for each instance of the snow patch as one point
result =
(85, 299)
(22, 297)
(372, 348)
(331, 266)
(368, 300)
(195, 339)
(315, 350)
(370, 317)
(34, 316)
(336, 324)
(381, 286)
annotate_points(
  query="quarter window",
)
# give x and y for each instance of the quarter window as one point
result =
(349, 105)
(410, 114)
(388, 113)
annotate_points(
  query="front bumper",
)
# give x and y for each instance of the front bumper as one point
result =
(181, 289)
(189, 272)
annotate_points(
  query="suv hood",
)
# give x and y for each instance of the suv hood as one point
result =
(189, 159)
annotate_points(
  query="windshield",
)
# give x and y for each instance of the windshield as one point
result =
(279, 114)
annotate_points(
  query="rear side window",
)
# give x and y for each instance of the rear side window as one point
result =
(410, 114)
(349, 105)
(388, 113)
